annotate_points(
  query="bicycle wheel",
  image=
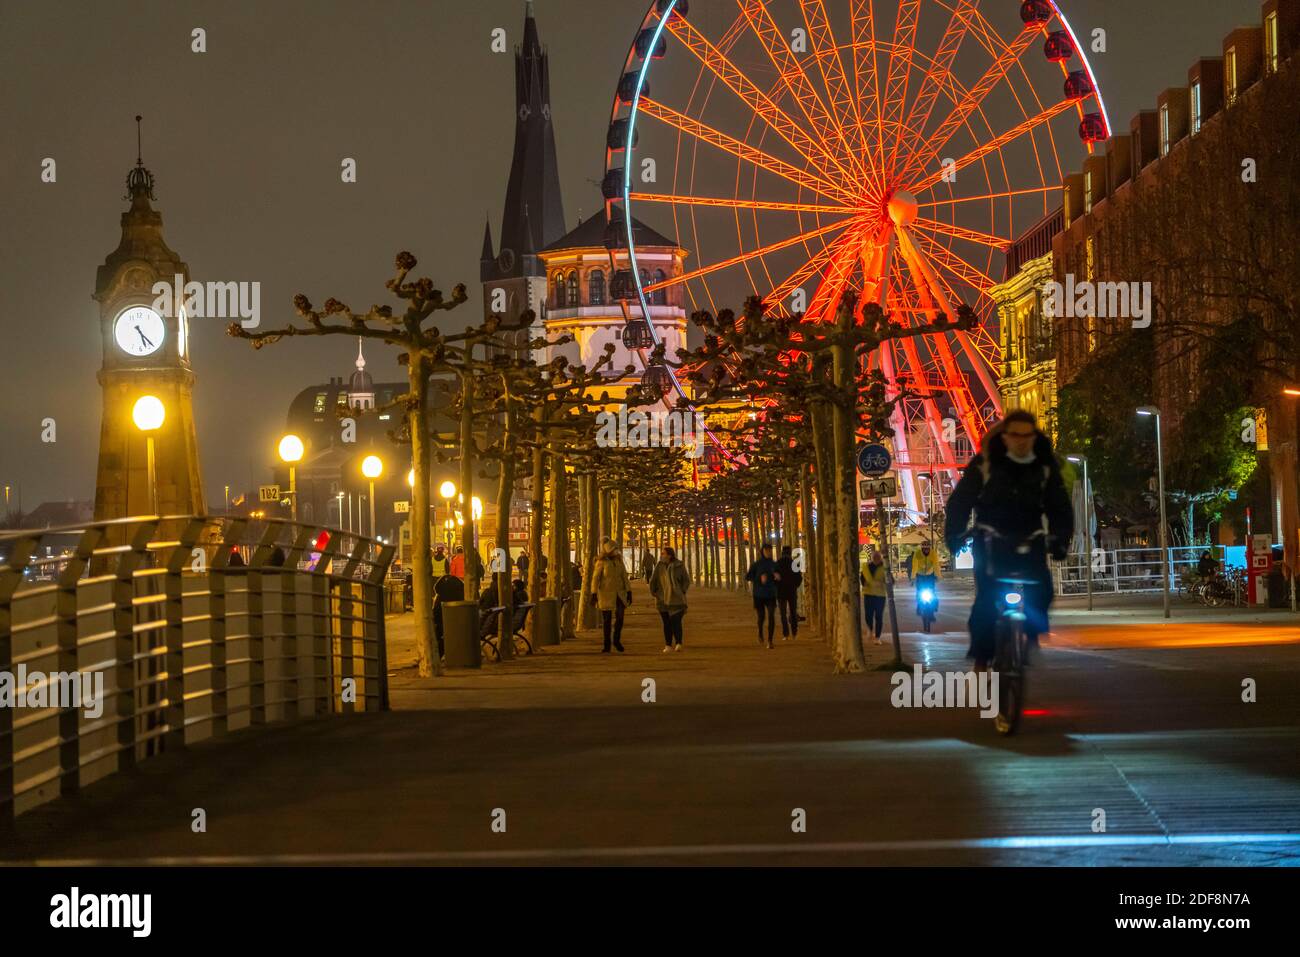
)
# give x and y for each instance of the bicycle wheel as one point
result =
(1009, 664)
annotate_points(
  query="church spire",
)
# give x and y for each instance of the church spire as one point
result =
(534, 173)
(488, 254)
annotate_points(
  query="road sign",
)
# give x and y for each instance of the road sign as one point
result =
(873, 460)
(878, 487)
(268, 493)
(401, 507)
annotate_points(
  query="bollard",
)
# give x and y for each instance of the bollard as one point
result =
(546, 622)
(460, 634)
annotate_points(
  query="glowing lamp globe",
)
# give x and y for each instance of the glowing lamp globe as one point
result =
(410, 478)
(476, 505)
(372, 467)
(447, 490)
(148, 413)
(291, 449)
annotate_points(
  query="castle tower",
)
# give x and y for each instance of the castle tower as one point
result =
(146, 352)
(513, 278)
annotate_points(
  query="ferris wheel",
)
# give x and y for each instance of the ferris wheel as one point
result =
(802, 148)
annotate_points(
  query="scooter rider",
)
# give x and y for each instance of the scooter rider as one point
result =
(925, 568)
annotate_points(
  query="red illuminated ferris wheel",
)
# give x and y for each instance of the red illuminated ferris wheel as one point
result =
(802, 148)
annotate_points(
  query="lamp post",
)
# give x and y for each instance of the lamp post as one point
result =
(372, 467)
(1151, 410)
(149, 415)
(1087, 521)
(448, 491)
(291, 450)
(339, 496)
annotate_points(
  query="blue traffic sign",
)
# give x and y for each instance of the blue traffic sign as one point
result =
(873, 460)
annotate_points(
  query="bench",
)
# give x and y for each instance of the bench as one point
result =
(489, 624)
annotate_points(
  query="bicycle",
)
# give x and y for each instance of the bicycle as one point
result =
(1011, 654)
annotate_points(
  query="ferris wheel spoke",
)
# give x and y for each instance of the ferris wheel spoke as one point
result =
(717, 63)
(960, 232)
(795, 81)
(953, 264)
(1017, 131)
(899, 75)
(729, 203)
(970, 103)
(746, 257)
(940, 72)
(812, 267)
(843, 103)
(866, 78)
(836, 278)
(744, 151)
(988, 196)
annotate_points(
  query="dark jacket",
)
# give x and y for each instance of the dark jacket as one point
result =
(790, 581)
(1013, 499)
(763, 591)
(445, 589)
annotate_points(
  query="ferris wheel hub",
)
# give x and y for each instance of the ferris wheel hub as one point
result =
(901, 207)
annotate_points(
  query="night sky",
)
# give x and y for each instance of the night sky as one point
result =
(246, 140)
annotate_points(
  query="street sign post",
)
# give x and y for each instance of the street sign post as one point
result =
(268, 493)
(886, 487)
(401, 508)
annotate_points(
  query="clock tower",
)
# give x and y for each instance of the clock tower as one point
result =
(146, 352)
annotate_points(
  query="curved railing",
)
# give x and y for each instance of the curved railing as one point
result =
(121, 639)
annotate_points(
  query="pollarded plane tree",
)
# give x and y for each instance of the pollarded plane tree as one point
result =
(802, 363)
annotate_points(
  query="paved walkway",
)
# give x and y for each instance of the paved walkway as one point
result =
(739, 742)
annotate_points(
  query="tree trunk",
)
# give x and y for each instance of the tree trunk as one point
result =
(814, 575)
(430, 664)
(536, 521)
(501, 554)
(848, 620)
(467, 486)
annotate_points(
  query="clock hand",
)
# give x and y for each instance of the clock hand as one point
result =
(144, 338)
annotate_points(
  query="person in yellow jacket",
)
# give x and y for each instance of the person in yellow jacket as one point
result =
(873, 592)
(925, 572)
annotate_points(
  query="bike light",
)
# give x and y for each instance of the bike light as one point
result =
(1013, 598)
(927, 595)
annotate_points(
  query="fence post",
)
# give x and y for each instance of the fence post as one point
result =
(377, 631)
(174, 590)
(65, 612)
(11, 577)
(348, 623)
(217, 626)
(124, 670)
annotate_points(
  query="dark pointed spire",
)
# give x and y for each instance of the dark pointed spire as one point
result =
(530, 243)
(534, 172)
(488, 254)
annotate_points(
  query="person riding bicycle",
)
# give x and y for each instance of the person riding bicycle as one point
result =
(1011, 486)
(1207, 567)
(925, 570)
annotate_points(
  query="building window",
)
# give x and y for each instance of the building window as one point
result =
(1271, 54)
(660, 296)
(1087, 192)
(1195, 105)
(575, 298)
(1065, 195)
(321, 399)
(1093, 338)
(1230, 76)
(1164, 130)
(596, 288)
(1091, 266)
(559, 290)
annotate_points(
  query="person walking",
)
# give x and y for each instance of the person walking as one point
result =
(763, 576)
(522, 564)
(787, 593)
(612, 590)
(647, 565)
(873, 593)
(441, 564)
(668, 583)
(457, 564)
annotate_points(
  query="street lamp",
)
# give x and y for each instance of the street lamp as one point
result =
(448, 491)
(372, 467)
(1151, 410)
(291, 450)
(149, 415)
(1087, 520)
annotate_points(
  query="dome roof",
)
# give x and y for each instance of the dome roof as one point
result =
(361, 382)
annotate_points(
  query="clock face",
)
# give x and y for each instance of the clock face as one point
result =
(139, 331)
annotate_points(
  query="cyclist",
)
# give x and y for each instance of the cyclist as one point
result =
(925, 569)
(1013, 485)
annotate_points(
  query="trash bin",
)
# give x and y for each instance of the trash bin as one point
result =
(546, 622)
(460, 634)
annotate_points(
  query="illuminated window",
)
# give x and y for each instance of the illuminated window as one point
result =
(1195, 105)
(1091, 266)
(596, 288)
(1230, 76)
(575, 298)
(559, 290)
(1066, 193)
(1087, 191)
(660, 296)
(321, 399)
(1270, 43)
(1164, 130)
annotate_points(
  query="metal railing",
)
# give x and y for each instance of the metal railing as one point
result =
(189, 627)
(1123, 570)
